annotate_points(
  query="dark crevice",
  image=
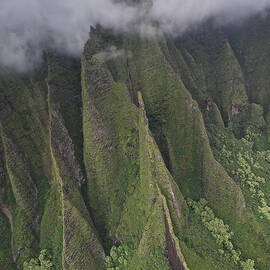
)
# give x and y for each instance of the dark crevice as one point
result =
(171, 251)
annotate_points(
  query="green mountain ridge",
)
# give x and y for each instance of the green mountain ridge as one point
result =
(154, 157)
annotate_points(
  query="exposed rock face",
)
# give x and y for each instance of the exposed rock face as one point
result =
(107, 151)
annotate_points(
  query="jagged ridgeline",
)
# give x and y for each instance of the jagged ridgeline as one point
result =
(150, 153)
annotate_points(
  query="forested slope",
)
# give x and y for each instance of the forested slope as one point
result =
(149, 153)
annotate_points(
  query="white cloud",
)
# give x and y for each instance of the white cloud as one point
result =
(27, 26)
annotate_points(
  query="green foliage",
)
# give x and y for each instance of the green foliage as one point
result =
(25, 139)
(246, 160)
(117, 259)
(247, 265)
(110, 143)
(120, 192)
(248, 166)
(220, 231)
(51, 229)
(43, 262)
(200, 248)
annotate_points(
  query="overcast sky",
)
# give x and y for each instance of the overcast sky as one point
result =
(64, 24)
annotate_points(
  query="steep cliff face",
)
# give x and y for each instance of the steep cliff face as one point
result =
(102, 161)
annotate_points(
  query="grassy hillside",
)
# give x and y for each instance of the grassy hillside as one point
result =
(156, 157)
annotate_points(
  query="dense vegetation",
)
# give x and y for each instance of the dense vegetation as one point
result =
(158, 158)
(43, 262)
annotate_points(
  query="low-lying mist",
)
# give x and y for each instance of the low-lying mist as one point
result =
(27, 27)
